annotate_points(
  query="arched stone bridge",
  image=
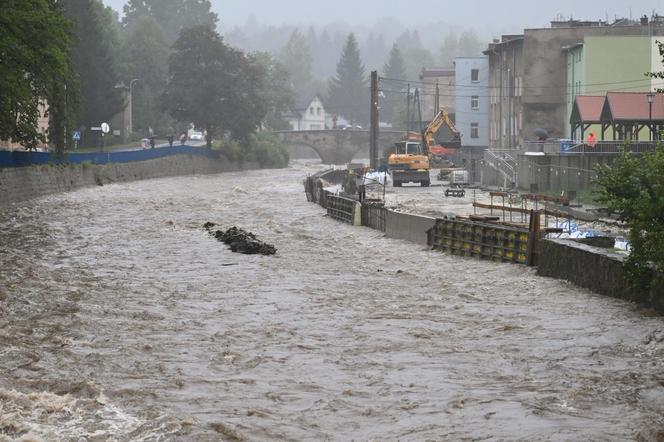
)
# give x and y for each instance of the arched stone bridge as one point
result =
(337, 146)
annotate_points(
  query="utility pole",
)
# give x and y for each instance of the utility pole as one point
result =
(436, 105)
(373, 136)
(408, 109)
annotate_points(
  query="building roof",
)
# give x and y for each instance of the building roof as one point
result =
(498, 45)
(304, 101)
(632, 106)
(587, 109)
(437, 72)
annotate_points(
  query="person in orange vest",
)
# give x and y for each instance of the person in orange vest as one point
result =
(591, 141)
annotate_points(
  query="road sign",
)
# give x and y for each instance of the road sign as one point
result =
(96, 129)
(105, 128)
(76, 135)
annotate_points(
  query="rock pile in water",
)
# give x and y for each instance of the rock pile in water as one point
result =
(240, 241)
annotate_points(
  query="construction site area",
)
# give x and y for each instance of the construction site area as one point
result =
(556, 234)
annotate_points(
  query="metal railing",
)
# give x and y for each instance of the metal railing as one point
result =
(604, 147)
(504, 163)
(580, 147)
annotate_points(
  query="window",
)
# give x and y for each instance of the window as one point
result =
(318, 111)
(474, 75)
(474, 130)
(311, 110)
(475, 102)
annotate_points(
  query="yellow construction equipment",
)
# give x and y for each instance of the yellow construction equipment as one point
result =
(411, 161)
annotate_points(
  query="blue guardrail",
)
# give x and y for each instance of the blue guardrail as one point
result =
(21, 158)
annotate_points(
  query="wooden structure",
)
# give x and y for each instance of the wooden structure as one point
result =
(625, 113)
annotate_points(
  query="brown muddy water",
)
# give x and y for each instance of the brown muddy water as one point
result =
(121, 319)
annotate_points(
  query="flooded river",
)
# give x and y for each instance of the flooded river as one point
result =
(121, 319)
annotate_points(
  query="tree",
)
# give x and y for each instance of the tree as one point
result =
(633, 188)
(95, 60)
(349, 91)
(172, 15)
(393, 71)
(35, 66)
(295, 56)
(145, 57)
(469, 45)
(213, 86)
(416, 59)
(277, 90)
(448, 50)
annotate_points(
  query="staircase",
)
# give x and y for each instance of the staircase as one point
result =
(504, 163)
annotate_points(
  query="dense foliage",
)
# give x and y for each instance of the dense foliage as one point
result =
(633, 188)
(393, 91)
(35, 67)
(213, 86)
(172, 16)
(263, 148)
(144, 60)
(349, 89)
(277, 91)
(95, 60)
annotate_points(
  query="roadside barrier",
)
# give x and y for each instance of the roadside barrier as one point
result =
(20, 158)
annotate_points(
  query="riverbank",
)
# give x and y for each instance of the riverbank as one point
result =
(24, 183)
(452, 225)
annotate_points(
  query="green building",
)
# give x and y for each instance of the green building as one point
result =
(601, 64)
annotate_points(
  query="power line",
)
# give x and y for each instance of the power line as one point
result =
(647, 79)
(565, 95)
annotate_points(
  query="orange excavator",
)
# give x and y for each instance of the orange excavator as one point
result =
(416, 153)
(437, 152)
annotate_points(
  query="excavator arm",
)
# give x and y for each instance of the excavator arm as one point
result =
(442, 118)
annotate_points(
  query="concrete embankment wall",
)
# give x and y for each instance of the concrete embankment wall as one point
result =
(556, 172)
(594, 268)
(24, 183)
(408, 227)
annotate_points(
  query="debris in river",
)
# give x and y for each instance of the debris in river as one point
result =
(240, 241)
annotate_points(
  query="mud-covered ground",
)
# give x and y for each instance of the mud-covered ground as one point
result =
(122, 319)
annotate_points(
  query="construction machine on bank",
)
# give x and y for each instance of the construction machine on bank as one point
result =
(416, 153)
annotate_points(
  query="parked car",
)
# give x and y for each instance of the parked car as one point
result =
(145, 143)
(196, 136)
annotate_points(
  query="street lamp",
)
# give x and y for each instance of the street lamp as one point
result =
(131, 103)
(651, 98)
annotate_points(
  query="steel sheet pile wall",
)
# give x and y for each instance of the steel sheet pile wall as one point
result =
(340, 208)
(374, 215)
(480, 240)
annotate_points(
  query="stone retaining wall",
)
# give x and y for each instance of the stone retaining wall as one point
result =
(24, 183)
(594, 268)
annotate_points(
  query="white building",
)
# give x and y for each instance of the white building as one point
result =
(472, 100)
(308, 114)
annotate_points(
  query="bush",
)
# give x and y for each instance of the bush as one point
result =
(633, 188)
(268, 151)
(231, 149)
(263, 148)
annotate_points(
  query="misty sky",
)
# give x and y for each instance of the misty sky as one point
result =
(504, 16)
